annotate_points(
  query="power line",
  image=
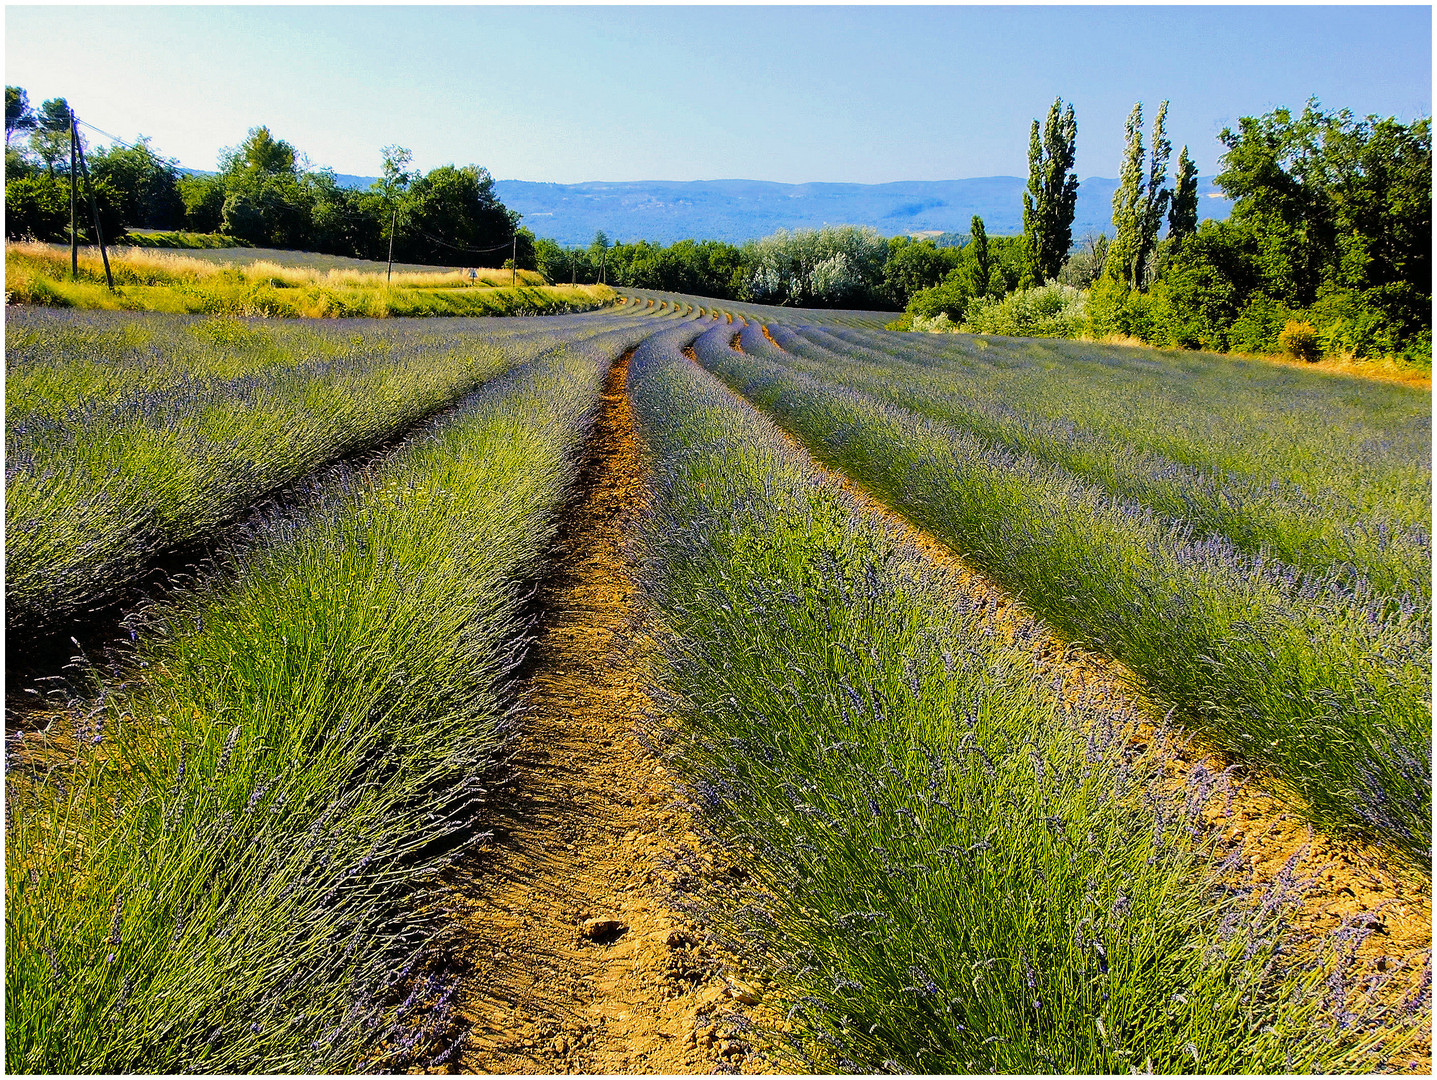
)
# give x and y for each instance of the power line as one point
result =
(456, 247)
(112, 138)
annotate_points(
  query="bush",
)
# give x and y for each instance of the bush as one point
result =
(1258, 324)
(938, 324)
(38, 207)
(1052, 310)
(1300, 340)
(950, 298)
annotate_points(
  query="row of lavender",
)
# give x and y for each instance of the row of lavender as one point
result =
(222, 867)
(1136, 501)
(952, 866)
(127, 436)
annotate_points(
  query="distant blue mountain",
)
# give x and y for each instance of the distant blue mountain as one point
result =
(739, 210)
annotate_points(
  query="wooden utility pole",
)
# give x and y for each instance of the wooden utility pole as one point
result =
(514, 262)
(94, 210)
(74, 236)
(393, 220)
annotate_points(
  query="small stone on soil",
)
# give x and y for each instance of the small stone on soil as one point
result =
(604, 931)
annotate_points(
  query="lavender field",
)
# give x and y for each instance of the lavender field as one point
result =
(874, 576)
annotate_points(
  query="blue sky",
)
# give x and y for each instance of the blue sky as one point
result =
(567, 94)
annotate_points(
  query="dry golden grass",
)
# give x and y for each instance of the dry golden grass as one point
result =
(147, 280)
(1383, 369)
(149, 266)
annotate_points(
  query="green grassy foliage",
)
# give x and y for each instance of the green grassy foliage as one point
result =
(1318, 677)
(224, 874)
(951, 870)
(128, 437)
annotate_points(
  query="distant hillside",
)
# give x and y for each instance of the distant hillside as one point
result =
(738, 210)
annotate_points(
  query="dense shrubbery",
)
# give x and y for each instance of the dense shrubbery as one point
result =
(1331, 227)
(838, 267)
(1052, 310)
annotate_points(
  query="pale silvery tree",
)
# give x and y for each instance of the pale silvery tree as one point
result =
(1141, 199)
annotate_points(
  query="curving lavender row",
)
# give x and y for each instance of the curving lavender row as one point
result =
(1317, 677)
(130, 434)
(1322, 478)
(949, 868)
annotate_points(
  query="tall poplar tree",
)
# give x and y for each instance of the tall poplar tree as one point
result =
(981, 266)
(1141, 198)
(1052, 195)
(1183, 210)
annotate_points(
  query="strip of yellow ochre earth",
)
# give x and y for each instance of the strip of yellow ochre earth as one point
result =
(575, 959)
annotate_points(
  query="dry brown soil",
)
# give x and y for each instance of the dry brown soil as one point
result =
(576, 958)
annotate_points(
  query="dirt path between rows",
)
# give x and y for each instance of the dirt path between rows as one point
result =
(575, 959)
(1348, 881)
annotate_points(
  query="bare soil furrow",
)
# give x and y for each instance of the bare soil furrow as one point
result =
(574, 957)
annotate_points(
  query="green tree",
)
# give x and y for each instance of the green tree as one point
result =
(454, 216)
(1052, 196)
(599, 254)
(1339, 212)
(204, 199)
(265, 201)
(18, 114)
(393, 185)
(50, 134)
(1141, 199)
(344, 222)
(38, 206)
(1085, 265)
(913, 265)
(978, 263)
(260, 156)
(1275, 172)
(147, 184)
(1183, 208)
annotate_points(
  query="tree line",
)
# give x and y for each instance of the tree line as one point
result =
(1329, 243)
(264, 195)
(1330, 233)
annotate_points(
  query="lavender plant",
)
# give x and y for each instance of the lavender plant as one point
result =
(1319, 678)
(1323, 475)
(126, 438)
(793, 316)
(951, 870)
(227, 874)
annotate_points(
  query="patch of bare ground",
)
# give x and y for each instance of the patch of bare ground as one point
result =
(575, 957)
(1348, 881)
